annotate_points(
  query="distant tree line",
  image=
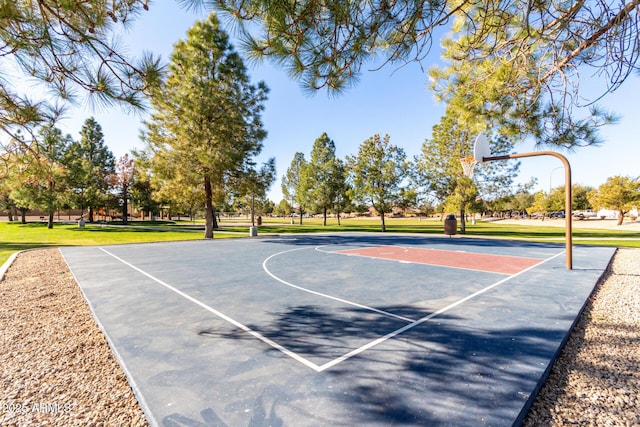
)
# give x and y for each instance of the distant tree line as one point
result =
(380, 179)
(49, 171)
(52, 172)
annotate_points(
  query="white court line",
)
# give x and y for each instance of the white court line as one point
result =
(355, 304)
(427, 318)
(377, 258)
(348, 355)
(221, 315)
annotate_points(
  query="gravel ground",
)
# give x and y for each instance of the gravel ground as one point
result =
(57, 369)
(596, 380)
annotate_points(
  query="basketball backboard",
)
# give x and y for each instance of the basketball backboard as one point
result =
(481, 148)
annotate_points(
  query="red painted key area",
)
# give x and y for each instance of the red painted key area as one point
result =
(455, 259)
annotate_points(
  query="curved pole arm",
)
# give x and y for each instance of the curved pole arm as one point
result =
(567, 194)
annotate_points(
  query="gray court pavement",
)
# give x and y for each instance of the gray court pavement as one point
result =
(284, 331)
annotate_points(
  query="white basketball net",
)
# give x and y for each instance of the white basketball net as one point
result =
(468, 166)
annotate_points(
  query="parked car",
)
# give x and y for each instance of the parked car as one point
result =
(586, 214)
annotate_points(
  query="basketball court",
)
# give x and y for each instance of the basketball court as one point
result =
(349, 329)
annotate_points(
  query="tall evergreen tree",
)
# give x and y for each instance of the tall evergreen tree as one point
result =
(92, 163)
(207, 121)
(439, 170)
(325, 176)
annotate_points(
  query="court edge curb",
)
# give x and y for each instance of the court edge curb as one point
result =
(545, 375)
(152, 421)
(146, 410)
(8, 263)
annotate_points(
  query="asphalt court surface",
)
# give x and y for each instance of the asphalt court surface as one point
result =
(365, 329)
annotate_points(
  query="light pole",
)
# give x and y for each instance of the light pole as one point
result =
(551, 175)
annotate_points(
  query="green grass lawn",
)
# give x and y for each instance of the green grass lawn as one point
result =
(536, 233)
(15, 236)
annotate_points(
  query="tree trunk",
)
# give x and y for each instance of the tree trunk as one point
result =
(384, 227)
(324, 217)
(51, 211)
(23, 216)
(292, 212)
(214, 213)
(253, 212)
(463, 224)
(338, 215)
(620, 216)
(125, 209)
(10, 214)
(208, 222)
(90, 214)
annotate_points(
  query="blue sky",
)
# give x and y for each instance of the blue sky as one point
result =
(388, 101)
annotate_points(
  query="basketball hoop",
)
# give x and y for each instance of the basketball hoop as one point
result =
(468, 165)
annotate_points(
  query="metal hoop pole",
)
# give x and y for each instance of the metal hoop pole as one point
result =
(567, 194)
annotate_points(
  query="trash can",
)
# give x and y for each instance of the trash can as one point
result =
(253, 231)
(259, 220)
(450, 225)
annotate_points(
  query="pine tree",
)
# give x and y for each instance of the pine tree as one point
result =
(91, 163)
(68, 48)
(325, 177)
(327, 43)
(206, 126)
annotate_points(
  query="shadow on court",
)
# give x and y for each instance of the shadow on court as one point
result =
(453, 361)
